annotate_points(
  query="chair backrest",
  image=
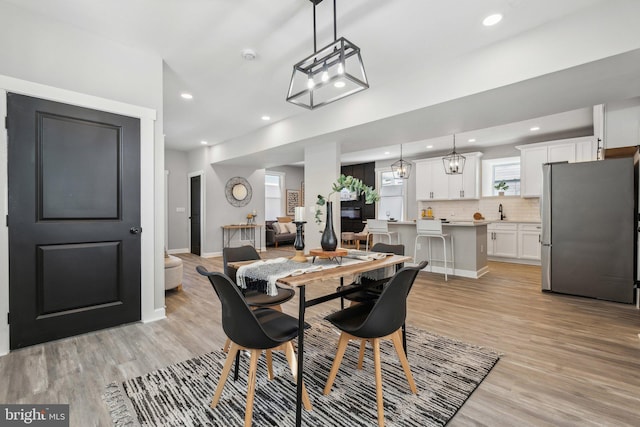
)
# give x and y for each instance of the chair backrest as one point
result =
(242, 253)
(388, 249)
(377, 226)
(426, 226)
(238, 321)
(390, 310)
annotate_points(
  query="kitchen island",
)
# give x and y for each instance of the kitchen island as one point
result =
(469, 242)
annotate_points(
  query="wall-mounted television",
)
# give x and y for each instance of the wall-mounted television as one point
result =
(350, 212)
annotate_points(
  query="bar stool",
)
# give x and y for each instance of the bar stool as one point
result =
(429, 229)
(380, 227)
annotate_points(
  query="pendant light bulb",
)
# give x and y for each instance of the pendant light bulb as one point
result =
(340, 69)
(310, 83)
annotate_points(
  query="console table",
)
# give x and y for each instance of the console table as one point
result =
(247, 232)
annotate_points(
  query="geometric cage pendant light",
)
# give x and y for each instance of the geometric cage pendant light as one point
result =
(329, 74)
(401, 168)
(453, 162)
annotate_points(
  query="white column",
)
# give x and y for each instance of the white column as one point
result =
(321, 169)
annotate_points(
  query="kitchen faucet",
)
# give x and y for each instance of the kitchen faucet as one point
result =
(500, 210)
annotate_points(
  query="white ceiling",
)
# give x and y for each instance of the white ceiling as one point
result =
(201, 43)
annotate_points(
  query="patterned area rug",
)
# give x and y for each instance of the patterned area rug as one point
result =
(446, 372)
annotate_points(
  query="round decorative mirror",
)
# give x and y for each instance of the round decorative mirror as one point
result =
(238, 191)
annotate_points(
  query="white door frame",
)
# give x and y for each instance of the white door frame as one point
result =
(149, 271)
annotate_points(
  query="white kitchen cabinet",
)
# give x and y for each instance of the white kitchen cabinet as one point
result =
(533, 156)
(529, 241)
(432, 182)
(466, 186)
(502, 240)
(531, 161)
(561, 153)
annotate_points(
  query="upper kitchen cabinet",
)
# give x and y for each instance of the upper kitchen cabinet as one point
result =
(432, 183)
(467, 184)
(533, 156)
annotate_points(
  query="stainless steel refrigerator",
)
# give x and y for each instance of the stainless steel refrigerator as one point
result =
(589, 221)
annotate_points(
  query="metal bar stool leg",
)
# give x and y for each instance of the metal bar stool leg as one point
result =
(444, 247)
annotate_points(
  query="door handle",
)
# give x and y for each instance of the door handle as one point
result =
(135, 230)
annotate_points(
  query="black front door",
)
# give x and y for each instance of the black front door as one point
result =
(195, 214)
(74, 217)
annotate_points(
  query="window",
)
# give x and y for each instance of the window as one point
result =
(510, 174)
(391, 203)
(505, 169)
(273, 195)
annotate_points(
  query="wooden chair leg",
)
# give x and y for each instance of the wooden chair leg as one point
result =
(231, 357)
(226, 346)
(397, 343)
(378, 369)
(293, 364)
(251, 387)
(342, 346)
(269, 364)
(363, 344)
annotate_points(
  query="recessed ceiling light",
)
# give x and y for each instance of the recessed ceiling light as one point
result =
(248, 54)
(339, 84)
(387, 153)
(534, 128)
(472, 140)
(266, 118)
(429, 146)
(492, 20)
(186, 95)
(203, 142)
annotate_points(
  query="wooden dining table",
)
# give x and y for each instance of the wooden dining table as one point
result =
(301, 281)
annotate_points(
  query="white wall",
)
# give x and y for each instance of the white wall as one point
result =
(45, 58)
(176, 163)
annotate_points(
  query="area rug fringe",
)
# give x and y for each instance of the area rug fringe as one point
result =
(116, 401)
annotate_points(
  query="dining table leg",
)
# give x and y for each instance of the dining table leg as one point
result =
(301, 310)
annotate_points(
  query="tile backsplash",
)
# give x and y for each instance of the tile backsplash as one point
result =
(514, 208)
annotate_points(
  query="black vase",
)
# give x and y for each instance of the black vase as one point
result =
(329, 241)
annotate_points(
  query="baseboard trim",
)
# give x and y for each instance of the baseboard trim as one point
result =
(178, 251)
(157, 314)
(471, 274)
(210, 254)
(514, 260)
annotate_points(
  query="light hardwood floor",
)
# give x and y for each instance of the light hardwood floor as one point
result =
(567, 360)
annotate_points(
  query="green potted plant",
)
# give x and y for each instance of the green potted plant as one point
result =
(329, 241)
(501, 187)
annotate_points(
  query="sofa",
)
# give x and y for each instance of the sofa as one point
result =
(172, 272)
(279, 232)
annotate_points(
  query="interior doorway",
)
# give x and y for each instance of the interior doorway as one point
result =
(196, 191)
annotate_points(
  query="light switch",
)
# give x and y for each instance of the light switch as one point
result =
(180, 209)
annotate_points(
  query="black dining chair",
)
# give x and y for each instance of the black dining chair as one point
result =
(254, 298)
(253, 330)
(373, 290)
(373, 321)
